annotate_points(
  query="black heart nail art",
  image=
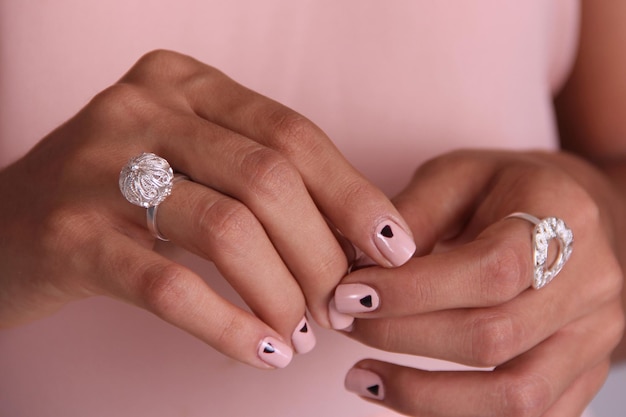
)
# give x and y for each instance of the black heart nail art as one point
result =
(304, 328)
(268, 348)
(387, 232)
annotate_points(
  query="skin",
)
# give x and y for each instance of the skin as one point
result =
(255, 202)
(469, 302)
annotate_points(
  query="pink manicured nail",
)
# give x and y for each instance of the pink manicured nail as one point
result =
(339, 321)
(274, 352)
(303, 338)
(356, 298)
(365, 383)
(394, 243)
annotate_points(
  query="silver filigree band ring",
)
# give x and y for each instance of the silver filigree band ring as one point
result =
(146, 181)
(546, 230)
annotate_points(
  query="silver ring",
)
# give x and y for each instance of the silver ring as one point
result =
(151, 213)
(550, 228)
(146, 180)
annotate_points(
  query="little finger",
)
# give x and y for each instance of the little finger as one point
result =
(123, 269)
(528, 385)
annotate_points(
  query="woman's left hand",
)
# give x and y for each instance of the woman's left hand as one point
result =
(467, 296)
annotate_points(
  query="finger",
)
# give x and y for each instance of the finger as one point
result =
(528, 385)
(493, 269)
(453, 198)
(236, 166)
(489, 336)
(271, 188)
(577, 398)
(178, 296)
(224, 231)
(444, 193)
(358, 209)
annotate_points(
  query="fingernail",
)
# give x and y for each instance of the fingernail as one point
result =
(365, 383)
(394, 243)
(356, 298)
(274, 352)
(339, 321)
(303, 338)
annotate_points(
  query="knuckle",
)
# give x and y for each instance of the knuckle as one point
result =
(493, 339)
(355, 191)
(161, 63)
(525, 396)
(504, 271)
(610, 282)
(121, 104)
(589, 211)
(270, 176)
(227, 223)
(163, 288)
(458, 159)
(617, 332)
(158, 58)
(293, 135)
(616, 325)
(65, 229)
(163, 68)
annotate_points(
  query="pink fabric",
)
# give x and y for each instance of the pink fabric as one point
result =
(393, 83)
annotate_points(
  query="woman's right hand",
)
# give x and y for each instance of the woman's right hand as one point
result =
(266, 190)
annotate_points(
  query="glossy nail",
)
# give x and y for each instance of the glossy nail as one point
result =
(394, 243)
(274, 352)
(365, 383)
(339, 321)
(356, 298)
(303, 338)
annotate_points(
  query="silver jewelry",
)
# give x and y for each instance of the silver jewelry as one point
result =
(151, 213)
(546, 230)
(146, 180)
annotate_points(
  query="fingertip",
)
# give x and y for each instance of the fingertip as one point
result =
(394, 242)
(274, 352)
(303, 337)
(338, 320)
(365, 383)
(356, 298)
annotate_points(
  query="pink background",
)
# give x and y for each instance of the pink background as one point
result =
(392, 85)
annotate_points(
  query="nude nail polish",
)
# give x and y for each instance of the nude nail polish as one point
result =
(274, 352)
(356, 298)
(394, 243)
(365, 383)
(303, 338)
(339, 321)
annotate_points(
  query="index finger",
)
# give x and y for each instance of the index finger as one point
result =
(488, 271)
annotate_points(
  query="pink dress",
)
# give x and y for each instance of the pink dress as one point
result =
(392, 83)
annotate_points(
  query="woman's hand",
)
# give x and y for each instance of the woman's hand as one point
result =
(264, 185)
(467, 298)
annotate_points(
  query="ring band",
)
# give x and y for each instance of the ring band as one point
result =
(151, 213)
(146, 180)
(550, 228)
